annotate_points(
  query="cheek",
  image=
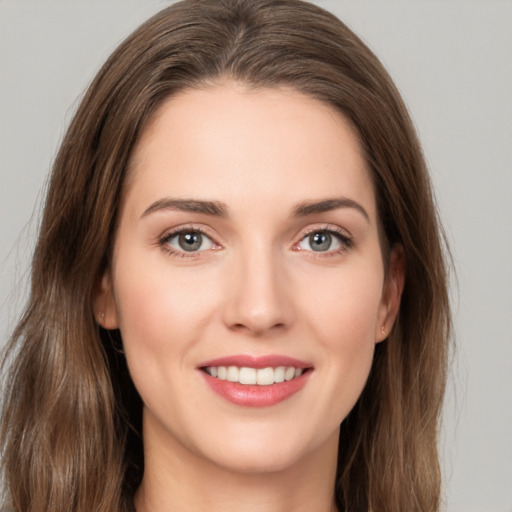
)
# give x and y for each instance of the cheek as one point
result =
(162, 316)
(342, 318)
(343, 307)
(161, 310)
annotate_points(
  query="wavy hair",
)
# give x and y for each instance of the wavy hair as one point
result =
(71, 420)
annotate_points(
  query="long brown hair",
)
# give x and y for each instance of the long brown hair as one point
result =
(71, 424)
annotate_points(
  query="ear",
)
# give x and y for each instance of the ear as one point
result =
(391, 294)
(104, 306)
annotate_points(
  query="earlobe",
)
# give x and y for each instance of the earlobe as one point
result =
(105, 310)
(391, 294)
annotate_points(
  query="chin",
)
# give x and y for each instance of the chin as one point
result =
(257, 462)
(271, 453)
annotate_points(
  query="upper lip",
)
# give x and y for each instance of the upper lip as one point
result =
(266, 361)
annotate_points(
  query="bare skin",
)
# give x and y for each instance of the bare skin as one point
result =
(248, 229)
(206, 486)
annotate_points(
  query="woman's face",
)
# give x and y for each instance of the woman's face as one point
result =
(247, 277)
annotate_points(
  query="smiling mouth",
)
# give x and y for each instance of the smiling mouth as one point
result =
(255, 376)
(249, 381)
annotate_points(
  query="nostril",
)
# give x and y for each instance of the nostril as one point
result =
(259, 304)
(257, 328)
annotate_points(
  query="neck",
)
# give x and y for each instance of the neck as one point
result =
(176, 480)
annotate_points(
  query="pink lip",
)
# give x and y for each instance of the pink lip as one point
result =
(256, 362)
(254, 395)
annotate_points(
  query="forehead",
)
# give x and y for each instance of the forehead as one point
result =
(230, 141)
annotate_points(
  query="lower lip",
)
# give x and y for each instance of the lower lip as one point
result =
(253, 395)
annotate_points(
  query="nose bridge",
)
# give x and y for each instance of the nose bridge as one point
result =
(258, 300)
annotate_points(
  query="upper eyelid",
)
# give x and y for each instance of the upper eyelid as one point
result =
(330, 228)
(343, 236)
(303, 233)
(164, 244)
(172, 234)
(169, 233)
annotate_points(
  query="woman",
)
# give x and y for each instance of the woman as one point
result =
(238, 293)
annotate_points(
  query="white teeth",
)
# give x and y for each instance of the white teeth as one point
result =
(247, 376)
(279, 374)
(265, 376)
(232, 374)
(251, 376)
(289, 373)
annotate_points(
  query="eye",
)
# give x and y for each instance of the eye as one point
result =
(188, 241)
(324, 240)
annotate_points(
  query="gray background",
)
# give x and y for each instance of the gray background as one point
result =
(452, 62)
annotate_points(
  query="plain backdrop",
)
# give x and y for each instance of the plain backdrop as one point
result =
(452, 60)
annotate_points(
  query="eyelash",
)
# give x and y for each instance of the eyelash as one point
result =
(164, 240)
(345, 241)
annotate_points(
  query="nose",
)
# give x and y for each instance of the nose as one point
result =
(258, 299)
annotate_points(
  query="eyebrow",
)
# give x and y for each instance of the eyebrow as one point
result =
(219, 209)
(327, 205)
(215, 208)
